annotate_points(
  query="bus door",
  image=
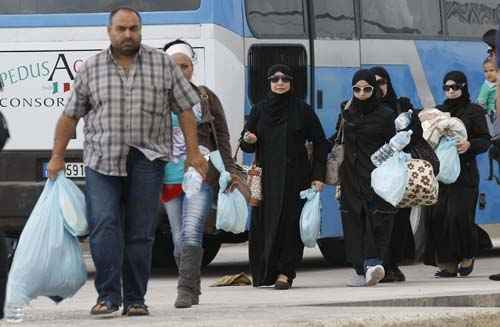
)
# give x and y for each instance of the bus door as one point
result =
(336, 59)
(277, 31)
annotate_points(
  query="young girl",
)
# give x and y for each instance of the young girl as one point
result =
(488, 93)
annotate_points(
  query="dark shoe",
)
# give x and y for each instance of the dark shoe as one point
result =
(495, 277)
(398, 275)
(189, 274)
(282, 283)
(103, 308)
(444, 274)
(136, 310)
(466, 271)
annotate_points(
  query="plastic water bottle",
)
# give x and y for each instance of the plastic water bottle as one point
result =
(191, 184)
(382, 154)
(14, 313)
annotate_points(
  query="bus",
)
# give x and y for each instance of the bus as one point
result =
(43, 43)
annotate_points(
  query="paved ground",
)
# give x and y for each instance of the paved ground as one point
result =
(319, 298)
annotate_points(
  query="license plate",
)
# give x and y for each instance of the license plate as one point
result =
(71, 170)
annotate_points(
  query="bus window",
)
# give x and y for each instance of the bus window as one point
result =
(263, 56)
(334, 19)
(276, 18)
(90, 6)
(402, 17)
(471, 18)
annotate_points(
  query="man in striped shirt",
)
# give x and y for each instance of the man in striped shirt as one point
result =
(125, 95)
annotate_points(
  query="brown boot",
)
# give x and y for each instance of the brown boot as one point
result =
(197, 290)
(189, 274)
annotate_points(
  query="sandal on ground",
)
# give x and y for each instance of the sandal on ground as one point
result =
(282, 283)
(136, 310)
(103, 308)
(445, 274)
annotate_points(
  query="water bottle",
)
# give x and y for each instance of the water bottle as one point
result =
(191, 184)
(382, 154)
(14, 313)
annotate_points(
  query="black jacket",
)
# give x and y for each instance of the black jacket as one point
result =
(363, 136)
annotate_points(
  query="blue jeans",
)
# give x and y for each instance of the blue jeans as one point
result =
(187, 218)
(121, 212)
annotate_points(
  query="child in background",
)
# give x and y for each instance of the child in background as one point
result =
(487, 95)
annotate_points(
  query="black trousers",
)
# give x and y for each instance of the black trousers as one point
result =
(4, 269)
(367, 235)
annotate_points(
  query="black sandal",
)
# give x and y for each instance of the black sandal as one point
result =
(444, 274)
(103, 308)
(136, 310)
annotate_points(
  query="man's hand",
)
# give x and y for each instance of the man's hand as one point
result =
(463, 146)
(317, 185)
(56, 164)
(197, 161)
(250, 138)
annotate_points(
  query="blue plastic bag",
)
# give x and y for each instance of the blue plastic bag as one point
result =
(310, 217)
(390, 179)
(232, 208)
(72, 202)
(48, 260)
(449, 161)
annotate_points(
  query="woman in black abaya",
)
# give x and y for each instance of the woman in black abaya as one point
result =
(277, 130)
(402, 245)
(451, 234)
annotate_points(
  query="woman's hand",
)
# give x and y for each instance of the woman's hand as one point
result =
(463, 146)
(235, 182)
(250, 138)
(318, 185)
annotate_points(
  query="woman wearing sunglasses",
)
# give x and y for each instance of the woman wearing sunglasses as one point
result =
(367, 220)
(402, 246)
(452, 241)
(277, 130)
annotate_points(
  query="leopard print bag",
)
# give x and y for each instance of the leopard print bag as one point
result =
(422, 188)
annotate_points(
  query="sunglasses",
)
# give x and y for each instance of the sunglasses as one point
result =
(454, 87)
(283, 78)
(381, 82)
(366, 89)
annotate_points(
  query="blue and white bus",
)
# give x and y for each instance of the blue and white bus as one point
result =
(43, 42)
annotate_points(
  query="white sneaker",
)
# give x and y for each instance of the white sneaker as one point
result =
(357, 280)
(374, 274)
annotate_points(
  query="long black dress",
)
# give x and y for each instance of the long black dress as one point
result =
(282, 124)
(366, 218)
(450, 224)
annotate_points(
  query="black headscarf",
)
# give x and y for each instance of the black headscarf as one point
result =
(461, 80)
(390, 98)
(276, 112)
(370, 104)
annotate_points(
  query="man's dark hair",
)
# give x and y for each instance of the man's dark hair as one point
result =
(125, 8)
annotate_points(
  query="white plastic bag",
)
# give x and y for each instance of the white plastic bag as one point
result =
(390, 179)
(191, 183)
(232, 208)
(310, 217)
(48, 260)
(72, 203)
(449, 161)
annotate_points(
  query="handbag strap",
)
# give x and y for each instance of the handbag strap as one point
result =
(205, 98)
(340, 134)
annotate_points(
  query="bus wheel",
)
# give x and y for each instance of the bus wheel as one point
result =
(211, 247)
(333, 250)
